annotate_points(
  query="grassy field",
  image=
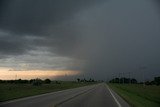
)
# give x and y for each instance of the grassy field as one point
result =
(12, 91)
(137, 95)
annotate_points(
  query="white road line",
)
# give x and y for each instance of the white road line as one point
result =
(119, 105)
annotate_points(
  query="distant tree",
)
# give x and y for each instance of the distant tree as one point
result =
(133, 81)
(152, 82)
(47, 81)
(37, 82)
(20, 81)
(93, 80)
(78, 79)
(90, 80)
(116, 80)
(157, 80)
(123, 80)
(84, 80)
(31, 81)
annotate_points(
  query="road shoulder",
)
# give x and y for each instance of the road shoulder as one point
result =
(119, 100)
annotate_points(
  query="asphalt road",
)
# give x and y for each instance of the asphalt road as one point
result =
(99, 95)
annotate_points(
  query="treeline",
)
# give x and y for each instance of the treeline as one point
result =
(86, 80)
(36, 81)
(123, 80)
(156, 81)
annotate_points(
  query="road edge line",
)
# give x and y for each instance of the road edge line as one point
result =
(115, 99)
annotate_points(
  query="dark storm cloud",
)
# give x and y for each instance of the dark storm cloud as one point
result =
(35, 17)
(10, 45)
(39, 18)
(106, 37)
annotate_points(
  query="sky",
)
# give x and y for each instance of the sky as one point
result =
(67, 39)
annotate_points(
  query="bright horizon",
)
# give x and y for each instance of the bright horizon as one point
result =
(7, 74)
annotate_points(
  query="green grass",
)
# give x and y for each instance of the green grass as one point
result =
(13, 91)
(137, 95)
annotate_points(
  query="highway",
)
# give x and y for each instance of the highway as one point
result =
(99, 95)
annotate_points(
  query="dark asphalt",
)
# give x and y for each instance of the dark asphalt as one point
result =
(89, 96)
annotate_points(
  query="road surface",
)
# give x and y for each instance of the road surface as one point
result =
(99, 95)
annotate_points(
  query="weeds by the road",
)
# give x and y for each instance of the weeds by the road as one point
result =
(137, 95)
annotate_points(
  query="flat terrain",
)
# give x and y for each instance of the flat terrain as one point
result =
(137, 95)
(13, 91)
(98, 95)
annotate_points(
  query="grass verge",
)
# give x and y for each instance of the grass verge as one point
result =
(13, 91)
(137, 95)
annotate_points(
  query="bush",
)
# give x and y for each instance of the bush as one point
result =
(47, 81)
(37, 82)
(157, 80)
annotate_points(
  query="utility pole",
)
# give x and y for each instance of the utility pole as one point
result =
(16, 77)
(129, 77)
(123, 77)
(142, 70)
(119, 78)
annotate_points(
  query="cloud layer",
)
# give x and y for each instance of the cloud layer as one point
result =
(100, 38)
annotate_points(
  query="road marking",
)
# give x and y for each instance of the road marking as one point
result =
(119, 105)
(68, 99)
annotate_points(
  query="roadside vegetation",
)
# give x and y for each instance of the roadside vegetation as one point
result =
(12, 89)
(139, 94)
